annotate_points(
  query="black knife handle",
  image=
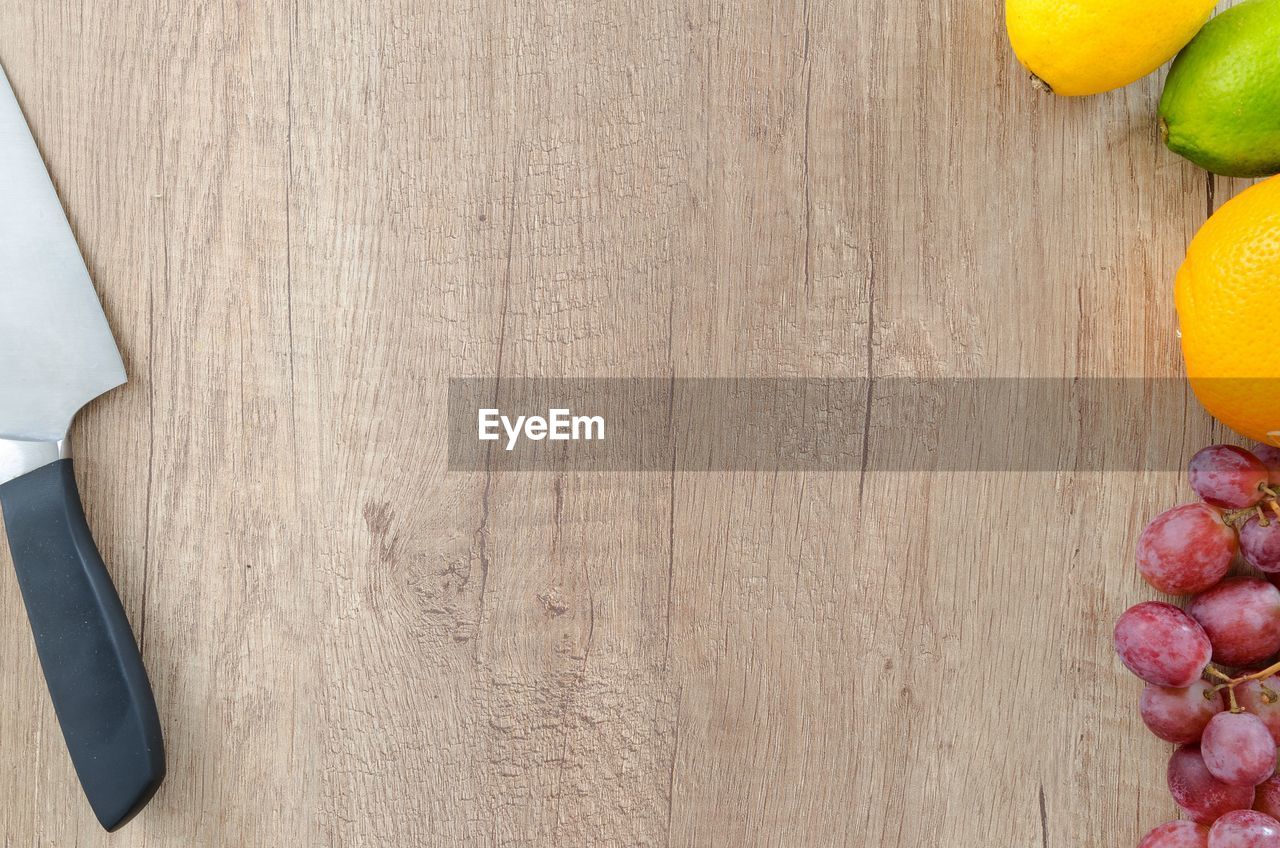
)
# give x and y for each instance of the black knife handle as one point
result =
(91, 663)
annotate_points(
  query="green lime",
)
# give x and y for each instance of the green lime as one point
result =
(1221, 102)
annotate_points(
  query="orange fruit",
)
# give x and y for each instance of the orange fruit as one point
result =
(1228, 298)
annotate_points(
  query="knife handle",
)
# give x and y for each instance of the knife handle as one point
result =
(91, 663)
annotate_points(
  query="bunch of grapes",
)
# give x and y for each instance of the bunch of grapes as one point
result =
(1212, 686)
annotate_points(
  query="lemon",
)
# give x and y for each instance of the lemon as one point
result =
(1079, 47)
(1228, 298)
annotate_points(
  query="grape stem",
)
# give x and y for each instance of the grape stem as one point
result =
(1236, 517)
(1214, 672)
(1230, 683)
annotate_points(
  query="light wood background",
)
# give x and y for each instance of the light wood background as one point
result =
(303, 218)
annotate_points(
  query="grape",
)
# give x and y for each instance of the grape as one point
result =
(1241, 615)
(1186, 550)
(1260, 544)
(1267, 799)
(1245, 829)
(1177, 834)
(1270, 456)
(1227, 476)
(1179, 715)
(1238, 749)
(1198, 793)
(1262, 698)
(1161, 644)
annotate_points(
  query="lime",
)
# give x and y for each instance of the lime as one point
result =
(1221, 102)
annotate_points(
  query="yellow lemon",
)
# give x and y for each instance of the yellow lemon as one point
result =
(1081, 47)
(1228, 298)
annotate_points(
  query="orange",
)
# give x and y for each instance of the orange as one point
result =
(1228, 298)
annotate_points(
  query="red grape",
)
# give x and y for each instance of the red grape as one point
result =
(1267, 799)
(1179, 715)
(1270, 456)
(1162, 644)
(1186, 550)
(1245, 829)
(1198, 793)
(1260, 543)
(1262, 698)
(1238, 749)
(1241, 615)
(1177, 834)
(1228, 476)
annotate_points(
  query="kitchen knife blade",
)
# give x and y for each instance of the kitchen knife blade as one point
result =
(56, 350)
(57, 354)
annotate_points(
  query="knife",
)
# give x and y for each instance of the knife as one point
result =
(57, 354)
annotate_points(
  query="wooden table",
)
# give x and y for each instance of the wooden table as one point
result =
(304, 218)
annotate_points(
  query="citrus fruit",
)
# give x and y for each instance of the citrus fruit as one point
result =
(1221, 102)
(1079, 47)
(1228, 298)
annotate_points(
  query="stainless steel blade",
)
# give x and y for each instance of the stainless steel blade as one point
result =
(56, 350)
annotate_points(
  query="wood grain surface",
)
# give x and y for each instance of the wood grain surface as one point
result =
(304, 218)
